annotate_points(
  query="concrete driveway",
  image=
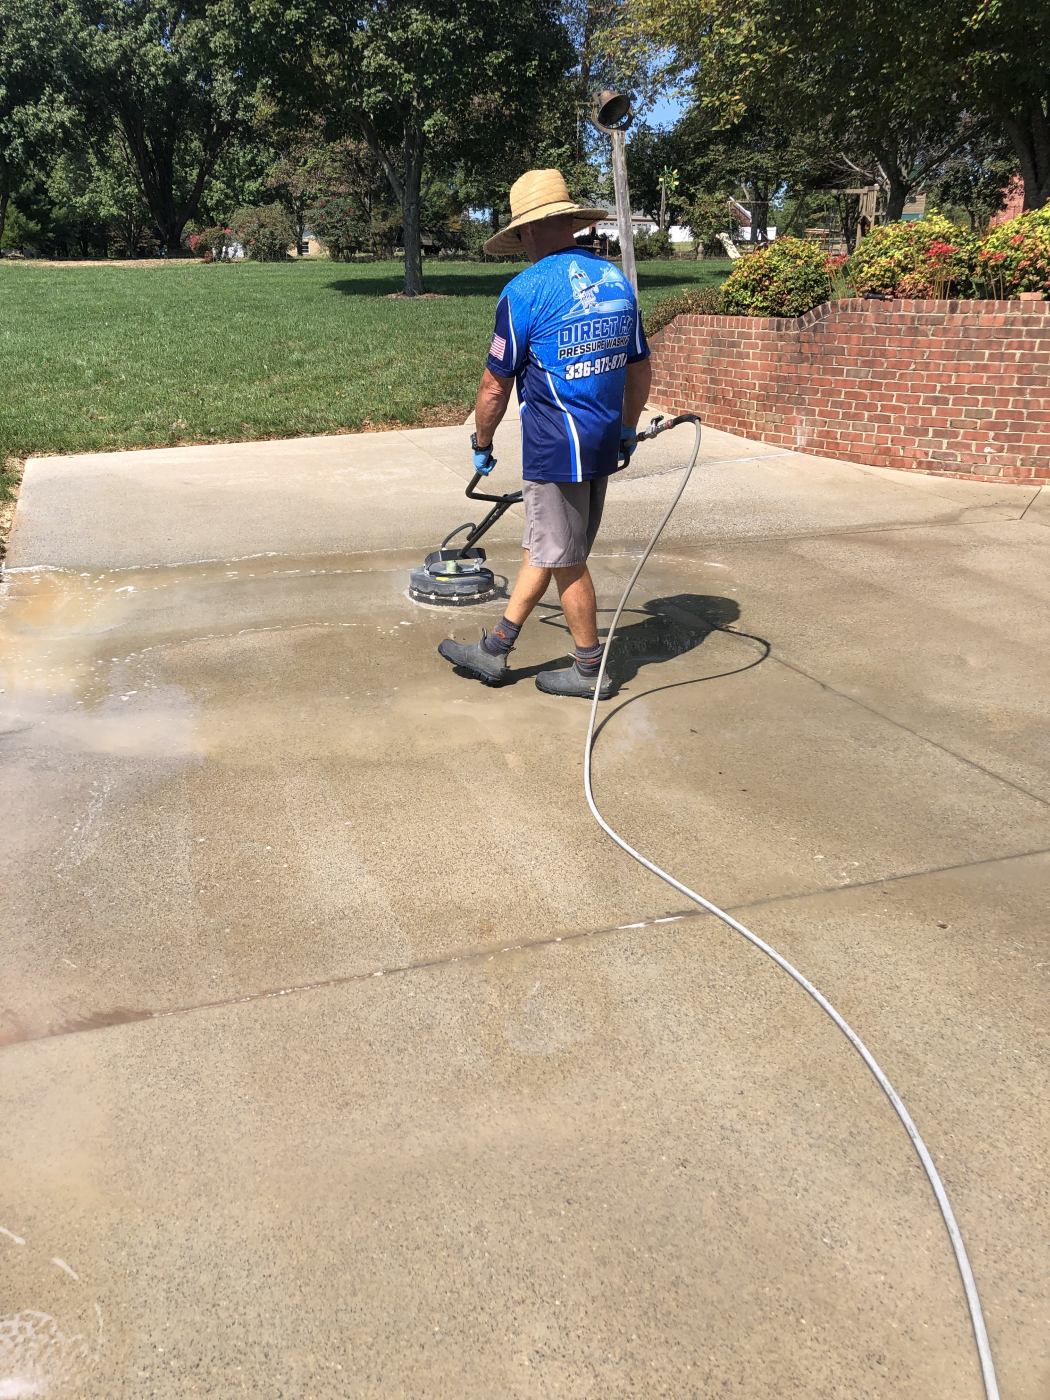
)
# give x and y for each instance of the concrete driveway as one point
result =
(345, 1057)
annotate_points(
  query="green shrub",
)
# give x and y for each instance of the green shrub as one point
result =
(786, 278)
(463, 240)
(265, 231)
(923, 258)
(346, 229)
(656, 244)
(475, 233)
(341, 227)
(706, 217)
(693, 301)
(1015, 257)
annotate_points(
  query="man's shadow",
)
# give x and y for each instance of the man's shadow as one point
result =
(660, 630)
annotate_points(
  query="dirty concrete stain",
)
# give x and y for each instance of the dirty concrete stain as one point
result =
(254, 775)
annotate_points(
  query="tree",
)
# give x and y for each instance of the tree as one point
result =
(879, 89)
(34, 110)
(311, 170)
(96, 190)
(175, 81)
(650, 151)
(239, 178)
(755, 158)
(974, 182)
(1001, 59)
(866, 77)
(439, 80)
(707, 216)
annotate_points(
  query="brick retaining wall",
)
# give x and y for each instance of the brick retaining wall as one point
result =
(956, 387)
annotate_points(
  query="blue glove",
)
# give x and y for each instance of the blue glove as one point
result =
(483, 458)
(628, 442)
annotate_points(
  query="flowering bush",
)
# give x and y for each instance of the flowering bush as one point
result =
(265, 231)
(1015, 257)
(211, 244)
(929, 257)
(787, 278)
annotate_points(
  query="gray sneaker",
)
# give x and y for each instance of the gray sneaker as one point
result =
(571, 681)
(474, 658)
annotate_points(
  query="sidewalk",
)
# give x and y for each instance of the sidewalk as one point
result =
(346, 1057)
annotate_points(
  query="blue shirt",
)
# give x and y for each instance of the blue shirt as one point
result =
(567, 328)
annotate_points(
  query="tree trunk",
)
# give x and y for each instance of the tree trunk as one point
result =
(170, 230)
(897, 193)
(405, 185)
(796, 223)
(410, 208)
(5, 199)
(849, 218)
(760, 219)
(1030, 137)
(152, 159)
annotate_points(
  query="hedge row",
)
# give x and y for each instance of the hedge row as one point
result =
(925, 258)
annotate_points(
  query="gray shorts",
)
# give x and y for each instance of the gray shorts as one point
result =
(561, 520)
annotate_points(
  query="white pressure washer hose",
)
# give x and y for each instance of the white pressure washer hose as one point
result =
(973, 1301)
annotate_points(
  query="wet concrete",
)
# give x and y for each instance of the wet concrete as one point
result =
(331, 1068)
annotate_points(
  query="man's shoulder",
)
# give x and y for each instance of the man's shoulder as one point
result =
(522, 284)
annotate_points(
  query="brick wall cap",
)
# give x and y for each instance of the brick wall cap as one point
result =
(881, 312)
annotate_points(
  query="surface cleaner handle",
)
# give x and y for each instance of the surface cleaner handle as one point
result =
(510, 500)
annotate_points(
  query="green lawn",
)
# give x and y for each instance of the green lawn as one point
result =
(109, 356)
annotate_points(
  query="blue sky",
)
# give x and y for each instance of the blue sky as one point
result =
(666, 111)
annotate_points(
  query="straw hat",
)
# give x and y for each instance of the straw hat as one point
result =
(539, 194)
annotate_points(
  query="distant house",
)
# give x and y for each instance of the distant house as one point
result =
(641, 223)
(310, 247)
(745, 229)
(1013, 196)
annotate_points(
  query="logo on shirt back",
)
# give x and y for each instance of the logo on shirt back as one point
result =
(588, 294)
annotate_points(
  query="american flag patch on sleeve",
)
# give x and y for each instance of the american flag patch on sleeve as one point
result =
(498, 348)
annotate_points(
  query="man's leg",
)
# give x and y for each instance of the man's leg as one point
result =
(529, 588)
(580, 607)
(578, 603)
(487, 659)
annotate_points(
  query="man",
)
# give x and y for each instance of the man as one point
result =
(569, 331)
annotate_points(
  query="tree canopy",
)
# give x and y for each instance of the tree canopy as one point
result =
(890, 89)
(446, 81)
(174, 83)
(126, 125)
(34, 110)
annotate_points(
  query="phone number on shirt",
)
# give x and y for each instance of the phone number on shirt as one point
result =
(583, 369)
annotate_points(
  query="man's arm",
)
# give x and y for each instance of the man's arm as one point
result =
(493, 397)
(636, 391)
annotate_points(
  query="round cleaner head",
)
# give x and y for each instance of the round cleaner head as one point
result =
(453, 578)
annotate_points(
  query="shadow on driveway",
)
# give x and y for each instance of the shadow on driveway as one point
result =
(662, 629)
